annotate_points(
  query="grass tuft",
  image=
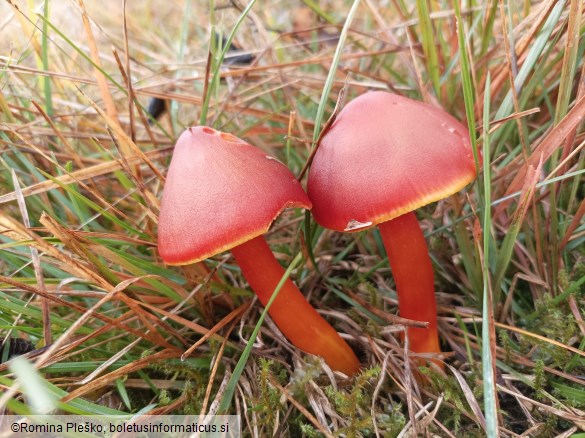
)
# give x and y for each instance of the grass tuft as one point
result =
(92, 321)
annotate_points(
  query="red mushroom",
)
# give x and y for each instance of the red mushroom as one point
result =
(384, 157)
(222, 193)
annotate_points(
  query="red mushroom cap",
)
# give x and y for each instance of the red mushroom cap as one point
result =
(384, 156)
(220, 192)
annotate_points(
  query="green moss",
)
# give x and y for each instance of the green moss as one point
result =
(540, 380)
(557, 323)
(164, 398)
(452, 394)
(267, 402)
(355, 405)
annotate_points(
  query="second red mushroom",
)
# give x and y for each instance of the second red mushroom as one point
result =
(384, 157)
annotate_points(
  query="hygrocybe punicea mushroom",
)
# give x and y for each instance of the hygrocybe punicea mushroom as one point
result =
(384, 157)
(221, 194)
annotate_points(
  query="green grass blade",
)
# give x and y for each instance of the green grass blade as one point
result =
(428, 44)
(319, 11)
(222, 55)
(487, 335)
(467, 83)
(40, 399)
(123, 393)
(536, 50)
(235, 377)
(507, 247)
(45, 56)
(333, 71)
(78, 406)
(486, 38)
(569, 61)
(187, 13)
(472, 268)
(468, 257)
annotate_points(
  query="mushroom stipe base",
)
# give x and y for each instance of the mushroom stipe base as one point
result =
(290, 310)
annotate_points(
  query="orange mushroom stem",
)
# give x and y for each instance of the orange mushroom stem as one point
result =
(413, 274)
(290, 311)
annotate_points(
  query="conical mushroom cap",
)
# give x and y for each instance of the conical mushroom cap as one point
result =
(384, 156)
(220, 192)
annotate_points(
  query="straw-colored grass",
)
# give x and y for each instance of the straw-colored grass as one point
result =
(82, 170)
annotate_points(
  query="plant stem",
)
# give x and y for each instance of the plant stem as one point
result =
(290, 311)
(413, 273)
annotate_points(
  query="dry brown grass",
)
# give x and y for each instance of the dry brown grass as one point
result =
(81, 279)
